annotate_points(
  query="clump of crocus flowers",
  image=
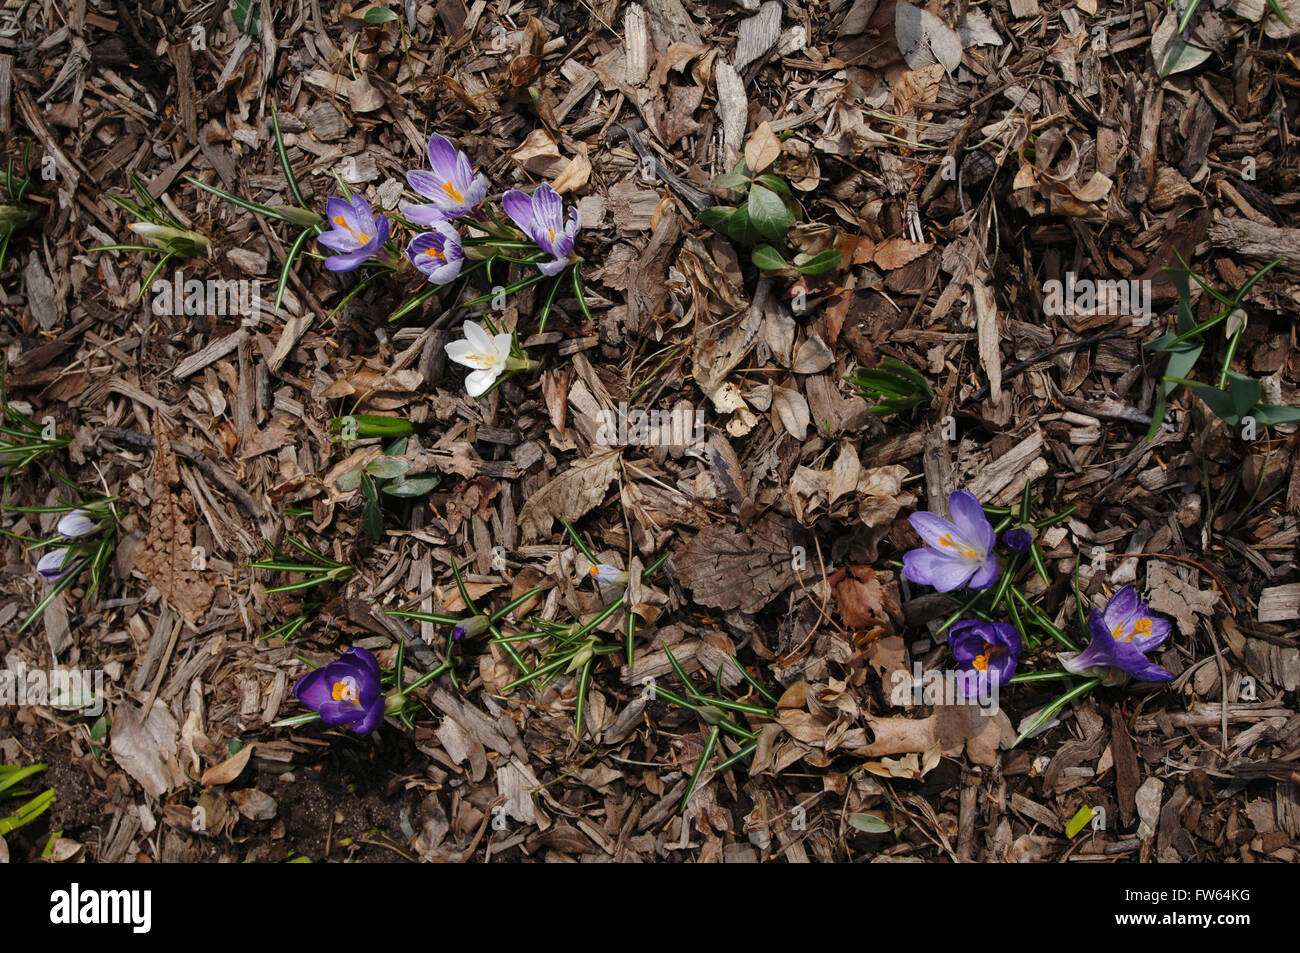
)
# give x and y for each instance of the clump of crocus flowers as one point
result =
(544, 235)
(960, 552)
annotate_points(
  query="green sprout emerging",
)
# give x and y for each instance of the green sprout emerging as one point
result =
(10, 777)
(16, 212)
(895, 386)
(163, 231)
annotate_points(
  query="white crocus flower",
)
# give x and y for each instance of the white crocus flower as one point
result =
(489, 356)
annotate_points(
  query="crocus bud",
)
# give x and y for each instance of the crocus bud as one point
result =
(51, 565)
(474, 625)
(394, 702)
(77, 523)
(603, 572)
(1018, 539)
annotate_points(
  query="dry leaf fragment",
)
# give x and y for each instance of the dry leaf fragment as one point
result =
(228, 770)
(165, 556)
(147, 749)
(762, 149)
(570, 495)
(730, 570)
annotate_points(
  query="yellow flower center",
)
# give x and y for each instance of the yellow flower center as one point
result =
(434, 253)
(452, 191)
(981, 661)
(1141, 627)
(964, 551)
(345, 690)
(341, 222)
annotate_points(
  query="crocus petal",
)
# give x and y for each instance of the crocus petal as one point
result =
(1018, 540)
(501, 346)
(933, 528)
(340, 241)
(969, 518)
(478, 383)
(349, 262)
(51, 565)
(519, 207)
(313, 690)
(477, 336)
(77, 523)
(548, 207)
(364, 659)
(371, 719)
(930, 568)
(442, 157)
(552, 268)
(464, 353)
(986, 575)
(1123, 607)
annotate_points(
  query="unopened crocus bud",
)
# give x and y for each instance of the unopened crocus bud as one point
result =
(52, 563)
(394, 702)
(474, 625)
(77, 523)
(1018, 539)
(603, 572)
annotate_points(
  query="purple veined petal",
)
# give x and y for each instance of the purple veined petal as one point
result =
(477, 192)
(371, 720)
(969, 518)
(442, 157)
(337, 208)
(986, 575)
(362, 211)
(1160, 629)
(519, 207)
(552, 268)
(463, 178)
(548, 208)
(76, 523)
(382, 222)
(313, 689)
(347, 262)
(447, 272)
(563, 246)
(428, 185)
(1122, 608)
(425, 216)
(478, 382)
(574, 222)
(931, 568)
(964, 640)
(933, 528)
(973, 682)
(339, 241)
(52, 564)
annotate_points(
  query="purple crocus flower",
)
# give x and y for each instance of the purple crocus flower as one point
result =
(437, 253)
(452, 187)
(958, 553)
(1122, 635)
(1018, 539)
(345, 692)
(54, 564)
(358, 234)
(542, 219)
(988, 649)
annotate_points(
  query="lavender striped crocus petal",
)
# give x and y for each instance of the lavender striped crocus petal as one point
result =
(437, 253)
(930, 567)
(77, 523)
(357, 233)
(51, 565)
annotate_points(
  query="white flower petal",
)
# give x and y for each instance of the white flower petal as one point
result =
(462, 352)
(478, 382)
(501, 347)
(476, 336)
